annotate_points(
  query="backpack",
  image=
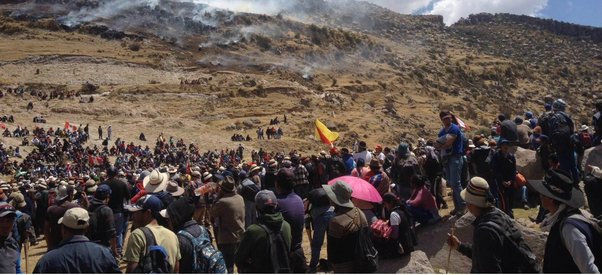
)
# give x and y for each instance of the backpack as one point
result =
(592, 229)
(365, 254)
(432, 165)
(92, 232)
(206, 258)
(279, 254)
(525, 259)
(155, 259)
(560, 130)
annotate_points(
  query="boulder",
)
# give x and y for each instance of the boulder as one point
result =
(432, 240)
(248, 123)
(592, 156)
(256, 121)
(415, 263)
(528, 164)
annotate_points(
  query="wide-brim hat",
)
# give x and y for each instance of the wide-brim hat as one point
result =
(255, 168)
(273, 163)
(90, 183)
(339, 193)
(227, 185)
(207, 176)
(375, 163)
(174, 189)
(91, 189)
(583, 128)
(558, 185)
(18, 200)
(155, 181)
(172, 169)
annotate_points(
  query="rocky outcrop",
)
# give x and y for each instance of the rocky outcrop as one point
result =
(592, 156)
(528, 163)
(432, 240)
(553, 26)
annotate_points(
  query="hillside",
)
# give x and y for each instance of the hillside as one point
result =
(366, 71)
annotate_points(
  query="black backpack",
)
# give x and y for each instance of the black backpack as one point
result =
(561, 130)
(155, 259)
(92, 232)
(279, 254)
(365, 254)
(524, 257)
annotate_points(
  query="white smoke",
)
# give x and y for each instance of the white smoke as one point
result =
(105, 10)
(453, 10)
(269, 7)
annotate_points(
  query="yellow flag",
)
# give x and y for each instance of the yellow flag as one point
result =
(324, 134)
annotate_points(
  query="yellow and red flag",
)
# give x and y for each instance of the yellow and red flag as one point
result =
(324, 134)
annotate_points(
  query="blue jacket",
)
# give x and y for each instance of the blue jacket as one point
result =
(11, 258)
(78, 255)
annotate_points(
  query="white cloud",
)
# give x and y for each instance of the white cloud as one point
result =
(402, 6)
(453, 10)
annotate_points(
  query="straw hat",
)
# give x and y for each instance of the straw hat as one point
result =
(155, 181)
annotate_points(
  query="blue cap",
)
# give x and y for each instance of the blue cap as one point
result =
(102, 192)
(148, 202)
(548, 106)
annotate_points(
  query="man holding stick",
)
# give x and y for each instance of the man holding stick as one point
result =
(498, 246)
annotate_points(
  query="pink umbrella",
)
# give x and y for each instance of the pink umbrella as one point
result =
(362, 189)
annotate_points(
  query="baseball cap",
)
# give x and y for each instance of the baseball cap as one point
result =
(103, 191)
(6, 209)
(75, 218)
(147, 202)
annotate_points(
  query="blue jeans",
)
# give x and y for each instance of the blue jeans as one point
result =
(420, 215)
(319, 224)
(568, 163)
(524, 197)
(119, 230)
(453, 171)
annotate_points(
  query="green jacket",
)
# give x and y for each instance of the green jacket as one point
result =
(252, 255)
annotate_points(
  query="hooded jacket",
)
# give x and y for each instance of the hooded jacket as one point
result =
(252, 255)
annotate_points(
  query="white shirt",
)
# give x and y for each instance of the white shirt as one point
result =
(576, 243)
(367, 156)
(395, 219)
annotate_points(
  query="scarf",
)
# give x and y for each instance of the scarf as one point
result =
(550, 219)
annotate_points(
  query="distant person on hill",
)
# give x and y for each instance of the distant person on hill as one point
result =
(100, 132)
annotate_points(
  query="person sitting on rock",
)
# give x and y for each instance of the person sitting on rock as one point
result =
(142, 137)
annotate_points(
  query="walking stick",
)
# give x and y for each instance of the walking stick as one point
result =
(453, 232)
(26, 256)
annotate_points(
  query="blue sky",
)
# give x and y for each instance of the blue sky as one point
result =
(583, 12)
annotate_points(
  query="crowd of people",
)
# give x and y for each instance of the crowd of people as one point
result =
(40, 94)
(180, 200)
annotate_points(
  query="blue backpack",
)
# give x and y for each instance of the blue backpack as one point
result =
(155, 259)
(207, 259)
